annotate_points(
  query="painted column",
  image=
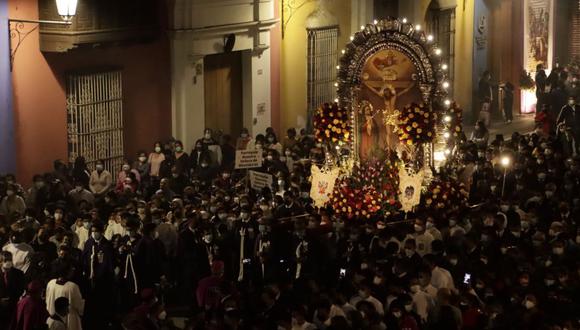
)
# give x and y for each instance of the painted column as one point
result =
(7, 141)
(480, 49)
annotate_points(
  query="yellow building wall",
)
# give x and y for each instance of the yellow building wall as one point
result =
(293, 84)
(462, 83)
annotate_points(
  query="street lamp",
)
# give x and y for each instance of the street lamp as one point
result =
(505, 162)
(66, 9)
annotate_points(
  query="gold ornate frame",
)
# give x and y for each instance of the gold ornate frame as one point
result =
(396, 34)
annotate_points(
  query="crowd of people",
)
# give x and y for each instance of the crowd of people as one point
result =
(182, 234)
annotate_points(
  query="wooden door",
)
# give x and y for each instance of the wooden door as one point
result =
(223, 92)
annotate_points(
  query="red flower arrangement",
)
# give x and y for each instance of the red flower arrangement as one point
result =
(445, 193)
(371, 189)
(455, 124)
(416, 124)
(331, 124)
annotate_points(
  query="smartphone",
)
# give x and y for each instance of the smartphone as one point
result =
(342, 272)
(467, 278)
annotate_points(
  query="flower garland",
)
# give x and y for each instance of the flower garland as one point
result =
(445, 193)
(416, 124)
(331, 124)
(371, 189)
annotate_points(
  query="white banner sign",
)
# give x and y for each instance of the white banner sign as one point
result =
(248, 159)
(409, 189)
(259, 180)
(322, 185)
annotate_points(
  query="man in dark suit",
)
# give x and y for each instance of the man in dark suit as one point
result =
(11, 288)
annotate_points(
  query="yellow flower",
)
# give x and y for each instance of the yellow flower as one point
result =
(429, 201)
(409, 128)
(415, 125)
(335, 122)
(419, 130)
(338, 130)
(429, 134)
(426, 115)
(411, 115)
(409, 142)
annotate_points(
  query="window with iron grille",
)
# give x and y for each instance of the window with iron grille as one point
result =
(322, 62)
(575, 31)
(441, 24)
(95, 118)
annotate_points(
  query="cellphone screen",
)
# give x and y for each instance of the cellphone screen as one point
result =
(467, 278)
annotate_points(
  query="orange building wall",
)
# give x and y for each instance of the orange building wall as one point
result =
(39, 95)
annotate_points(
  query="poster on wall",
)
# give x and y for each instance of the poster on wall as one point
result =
(538, 27)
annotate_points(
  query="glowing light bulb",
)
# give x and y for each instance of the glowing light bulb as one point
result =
(439, 156)
(418, 27)
(404, 20)
(351, 38)
(430, 37)
(438, 51)
(375, 22)
(447, 119)
(335, 100)
(343, 51)
(447, 102)
(335, 84)
(362, 27)
(505, 161)
(446, 135)
(445, 85)
(338, 67)
(447, 151)
(444, 67)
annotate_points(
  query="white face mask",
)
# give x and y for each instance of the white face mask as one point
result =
(558, 251)
(377, 280)
(409, 308)
(6, 265)
(418, 228)
(142, 159)
(162, 316)
(57, 216)
(99, 167)
(96, 236)
(529, 304)
(415, 288)
(397, 314)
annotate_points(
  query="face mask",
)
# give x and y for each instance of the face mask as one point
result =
(281, 183)
(204, 165)
(99, 167)
(244, 215)
(453, 262)
(222, 216)
(364, 266)
(39, 184)
(570, 102)
(57, 216)
(558, 251)
(244, 135)
(212, 209)
(516, 234)
(409, 252)
(529, 304)
(452, 223)
(162, 316)
(549, 194)
(87, 225)
(415, 288)
(429, 225)
(207, 136)
(96, 236)
(207, 238)
(504, 208)
(6, 265)
(178, 149)
(258, 146)
(409, 308)
(288, 153)
(271, 139)
(9, 193)
(142, 159)
(270, 157)
(377, 280)
(157, 149)
(397, 315)
(126, 168)
(418, 228)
